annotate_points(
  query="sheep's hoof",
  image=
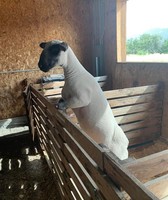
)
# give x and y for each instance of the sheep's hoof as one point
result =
(61, 105)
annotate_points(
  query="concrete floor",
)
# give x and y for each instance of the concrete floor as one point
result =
(24, 173)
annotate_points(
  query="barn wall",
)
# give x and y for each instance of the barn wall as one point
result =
(24, 24)
(134, 74)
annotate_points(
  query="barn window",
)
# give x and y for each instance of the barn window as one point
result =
(142, 31)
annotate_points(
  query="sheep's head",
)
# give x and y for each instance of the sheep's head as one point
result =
(53, 54)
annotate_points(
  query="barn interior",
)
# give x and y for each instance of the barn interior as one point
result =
(96, 32)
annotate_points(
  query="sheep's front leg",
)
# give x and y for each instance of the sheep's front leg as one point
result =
(75, 99)
(61, 104)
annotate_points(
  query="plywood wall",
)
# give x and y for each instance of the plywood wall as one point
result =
(24, 24)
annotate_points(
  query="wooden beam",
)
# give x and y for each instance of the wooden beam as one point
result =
(159, 186)
(136, 108)
(126, 92)
(121, 30)
(134, 100)
(144, 169)
(125, 179)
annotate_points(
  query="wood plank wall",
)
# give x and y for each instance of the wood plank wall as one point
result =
(134, 74)
(24, 24)
(131, 74)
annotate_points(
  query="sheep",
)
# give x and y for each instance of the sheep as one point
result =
(82, 93)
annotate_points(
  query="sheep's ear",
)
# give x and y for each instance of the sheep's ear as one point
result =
(42, 45)
(63, 46)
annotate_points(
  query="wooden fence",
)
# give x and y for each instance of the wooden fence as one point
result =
(83, 170)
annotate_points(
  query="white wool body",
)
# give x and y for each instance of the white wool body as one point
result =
(83, 94)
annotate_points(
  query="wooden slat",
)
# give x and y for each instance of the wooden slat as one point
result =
(138, 116)
(78, 184)
(61, 190)
(100, 78)
(142, 140)
(136, 108)
(140, 137)
(28, 102)
(133, 100)
(31, 119)
(144, 132)
(49, 85)
(28, 95)
(56, 151)
(87, 180)
(65, 183)
(141, 124)
(159, 186)
(52, 92)
(54, 97)
(39, 102)
(74, 174)
(125, 179)
(150, 166)
(131, 91)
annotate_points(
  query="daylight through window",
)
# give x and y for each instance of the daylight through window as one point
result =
(142, 30)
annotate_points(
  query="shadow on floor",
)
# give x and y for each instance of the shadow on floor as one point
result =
(24, 173)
